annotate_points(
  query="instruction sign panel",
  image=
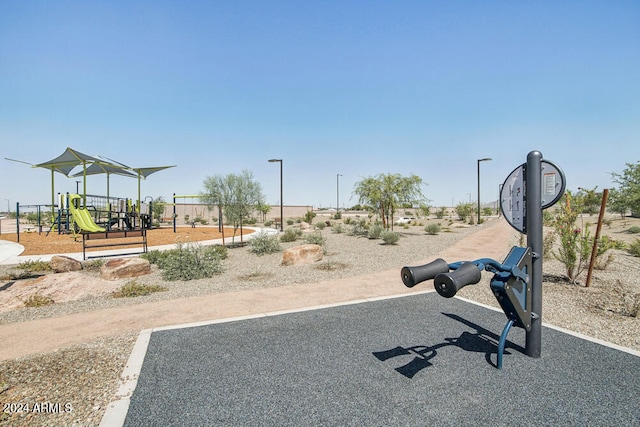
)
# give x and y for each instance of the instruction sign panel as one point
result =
(513, 192)
(512, 199)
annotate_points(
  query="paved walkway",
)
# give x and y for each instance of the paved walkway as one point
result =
(45, 335)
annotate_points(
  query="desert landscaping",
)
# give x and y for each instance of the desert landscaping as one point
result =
(45, 360)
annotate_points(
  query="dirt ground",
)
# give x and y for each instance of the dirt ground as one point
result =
(53, 243)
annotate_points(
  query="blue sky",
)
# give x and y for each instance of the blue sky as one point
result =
(355, 88)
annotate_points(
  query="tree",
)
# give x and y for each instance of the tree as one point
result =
(158, 208)
(628, 194)
(385, 193)
(236, 196)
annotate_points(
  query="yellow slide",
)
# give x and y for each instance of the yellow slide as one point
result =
(82, 217)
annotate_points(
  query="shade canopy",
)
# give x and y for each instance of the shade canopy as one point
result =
(70, 159)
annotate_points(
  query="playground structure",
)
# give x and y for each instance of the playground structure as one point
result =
(517, 281)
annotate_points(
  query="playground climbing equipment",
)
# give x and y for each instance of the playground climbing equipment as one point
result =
(517, 281)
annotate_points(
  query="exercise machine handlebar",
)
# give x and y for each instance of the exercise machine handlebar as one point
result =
(411, 276)
(448, 284)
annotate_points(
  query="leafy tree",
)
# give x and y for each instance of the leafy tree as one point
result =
(385, 193)
(464, 210)
(628, 192)
(158, 208)
(236, 196)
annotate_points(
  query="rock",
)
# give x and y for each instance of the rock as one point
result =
(304, 254)
(63, 264)
(304, 226)
(121, 268)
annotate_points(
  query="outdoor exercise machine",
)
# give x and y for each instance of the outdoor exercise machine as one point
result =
(517, 281)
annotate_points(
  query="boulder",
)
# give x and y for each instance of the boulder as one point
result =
(303, 254)
(63, 264)
(305, 226)
(121, 268)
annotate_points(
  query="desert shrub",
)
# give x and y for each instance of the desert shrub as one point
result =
(268, 223)
(37, 265)
(290, 222)
(290, 235)
(315, 239)
(433, 228)
(264, 244)
(135, 289)
(320, 225)
(338, 215)
(375, 231)
(188, 262)
(308, 217)
(441, 212)
(390, 237)
(359, 228)
(634, 248)
(347, 220)
(547, 244)
(633, 230)
(337, 229)
(93, 265)
(37, 300)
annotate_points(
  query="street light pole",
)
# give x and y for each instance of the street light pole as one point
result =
(281, 201)
(486, 159)
(338, 192)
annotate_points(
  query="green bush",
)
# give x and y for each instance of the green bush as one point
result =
(290, 235)
(633, 230)
(375, 231)
(337, 229)
(264, 243)
(320, 225)
(315, 239)
(37, 265)
(433, 228)
(290, 222)
(188, 262)
(390, 237)
(359, 228)
(634, 248)
(268, 223)
(37, 300)
(135, 289)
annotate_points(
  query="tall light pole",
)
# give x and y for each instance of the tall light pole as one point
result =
(338, 192)
(486, 159)
(281, 202)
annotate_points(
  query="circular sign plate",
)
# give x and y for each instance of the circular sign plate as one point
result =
(513, 191)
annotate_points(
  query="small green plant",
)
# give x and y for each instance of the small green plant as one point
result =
(93, 265)
(320, 225)
(134, 289)
(433, 228)
(575, 242)
(36, 265)
(308, 217)
(634, 248)
(268, 223)
(441, 212)
(315, 239)
(37, 300)
(375, 231)
(290, 235)
(337, 228)
(390, 237)
(263, 244)
(290, 221)
(338, 215)
(633, 230)
(191, 261)
(359, 228)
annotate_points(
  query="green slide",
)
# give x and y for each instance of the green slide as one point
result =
(82, 217)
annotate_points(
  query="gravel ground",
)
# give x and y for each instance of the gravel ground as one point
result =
(74, 385)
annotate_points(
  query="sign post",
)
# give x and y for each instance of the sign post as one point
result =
(530, 188)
